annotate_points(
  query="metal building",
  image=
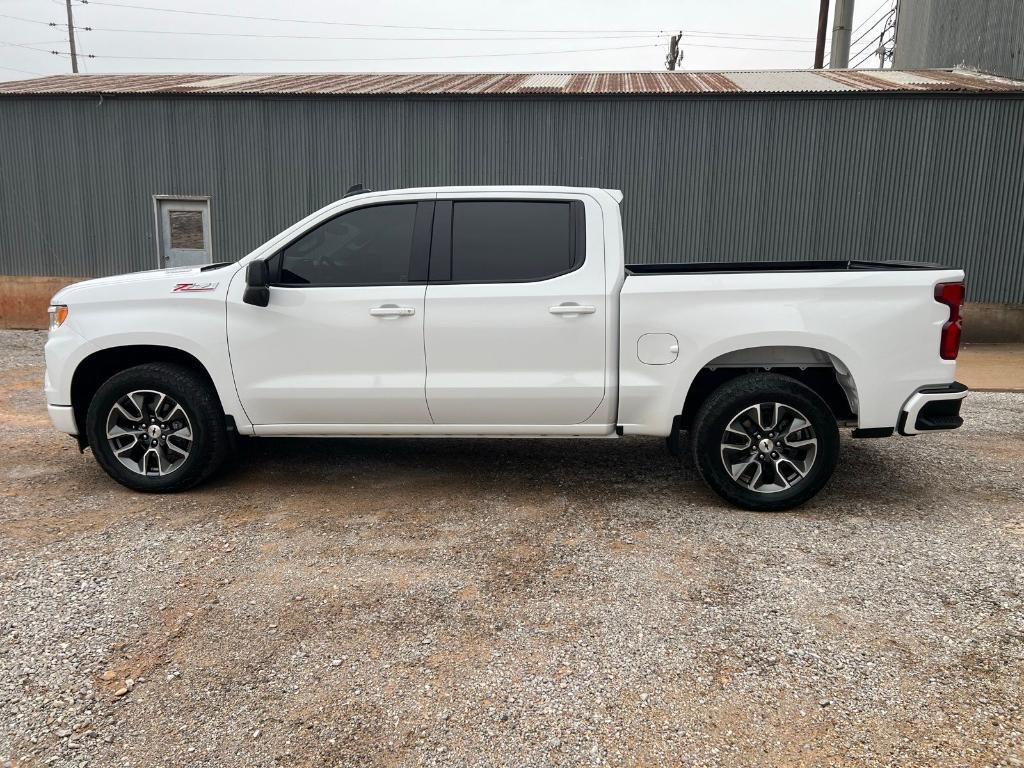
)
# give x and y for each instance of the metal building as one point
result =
(105, 173)
(982, 35)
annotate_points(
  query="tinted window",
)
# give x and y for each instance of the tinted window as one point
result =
(502, 241)
(367, 245)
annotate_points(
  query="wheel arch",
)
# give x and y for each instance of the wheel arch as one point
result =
(821, 370)
(99, 366)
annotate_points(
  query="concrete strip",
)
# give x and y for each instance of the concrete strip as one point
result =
(23, 300)
(992, 367)
(994, 323)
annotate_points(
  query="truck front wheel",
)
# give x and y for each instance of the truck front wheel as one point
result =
(765, 442)
(157, 428)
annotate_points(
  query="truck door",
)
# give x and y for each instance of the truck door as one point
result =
(515, 312)
(341, 341)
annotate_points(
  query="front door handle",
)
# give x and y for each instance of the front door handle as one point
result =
(571, 308)
(392, 310)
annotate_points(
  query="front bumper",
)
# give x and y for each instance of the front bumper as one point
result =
(933, 408)
(63, 418)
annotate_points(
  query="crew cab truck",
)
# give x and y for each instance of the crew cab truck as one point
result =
(502, 312)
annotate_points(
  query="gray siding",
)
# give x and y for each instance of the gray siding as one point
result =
(985, 35)
(720, 178)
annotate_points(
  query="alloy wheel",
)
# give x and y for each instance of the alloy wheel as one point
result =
(769, 447)
(149, 432)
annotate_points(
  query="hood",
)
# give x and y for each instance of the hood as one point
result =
(202, 273)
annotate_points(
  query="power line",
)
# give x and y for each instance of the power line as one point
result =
(601, 34)
(871, 45)
(747, 48)
(788, 38)
(645, 35)
(860, 26)
(627, 36)
(28, 47)
(22, 71)
(546, 34)
(870, 29)
(870, 16)
(429, 57)
(423, 58)
(870, 53)
(347, 23)
(383, 58)
(871, 42)
(403, 58)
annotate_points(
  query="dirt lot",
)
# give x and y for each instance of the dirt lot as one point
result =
(509, 603)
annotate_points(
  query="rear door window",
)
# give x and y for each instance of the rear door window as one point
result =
(498, 241)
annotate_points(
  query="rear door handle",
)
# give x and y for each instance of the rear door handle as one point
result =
(392, 310)
(571, 308)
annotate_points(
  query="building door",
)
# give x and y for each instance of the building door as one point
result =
(183, 232)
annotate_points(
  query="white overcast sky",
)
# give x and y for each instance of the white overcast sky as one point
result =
(718, 35)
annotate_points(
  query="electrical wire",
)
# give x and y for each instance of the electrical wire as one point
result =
(425, 58)
(870, 16)
(324, 37)
(746, 48)
(350, 23)
(28, 47)
(22, 71)
(622, 35)
(870, 29)
(860, 26)
(343, 58)
(601, 34)
(873, 52)
(362, 37)
(870, 45)
(744, 35)
(870, 54)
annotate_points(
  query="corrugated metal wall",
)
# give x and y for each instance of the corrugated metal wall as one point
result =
(985, 35)
(727, 178)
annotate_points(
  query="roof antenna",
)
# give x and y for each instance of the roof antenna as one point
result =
(357, 189)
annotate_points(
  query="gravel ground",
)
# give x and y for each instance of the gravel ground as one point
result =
(522, 603)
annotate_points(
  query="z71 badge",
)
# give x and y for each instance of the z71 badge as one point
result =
(193, 287)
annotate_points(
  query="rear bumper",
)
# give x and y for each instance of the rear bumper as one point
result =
(933, 408)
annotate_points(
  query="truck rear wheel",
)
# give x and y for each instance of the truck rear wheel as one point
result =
(157, 428)
(765, 442)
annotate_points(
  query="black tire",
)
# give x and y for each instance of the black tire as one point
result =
(726, 404)
(209, 438)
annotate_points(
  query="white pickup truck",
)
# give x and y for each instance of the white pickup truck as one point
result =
(502, 312)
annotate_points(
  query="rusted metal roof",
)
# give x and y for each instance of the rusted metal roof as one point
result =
(610, 83)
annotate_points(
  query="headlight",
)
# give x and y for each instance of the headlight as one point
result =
(58, 314)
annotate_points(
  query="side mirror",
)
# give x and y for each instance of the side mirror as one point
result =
(257, 278)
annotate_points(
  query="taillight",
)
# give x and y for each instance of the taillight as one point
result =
(952, 295)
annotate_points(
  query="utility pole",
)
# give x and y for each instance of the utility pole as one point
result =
(673, 56)
(819, 46)
(71, 38)
(887, 48)
(842, 24)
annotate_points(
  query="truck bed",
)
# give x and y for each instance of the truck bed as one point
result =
(703, 267)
